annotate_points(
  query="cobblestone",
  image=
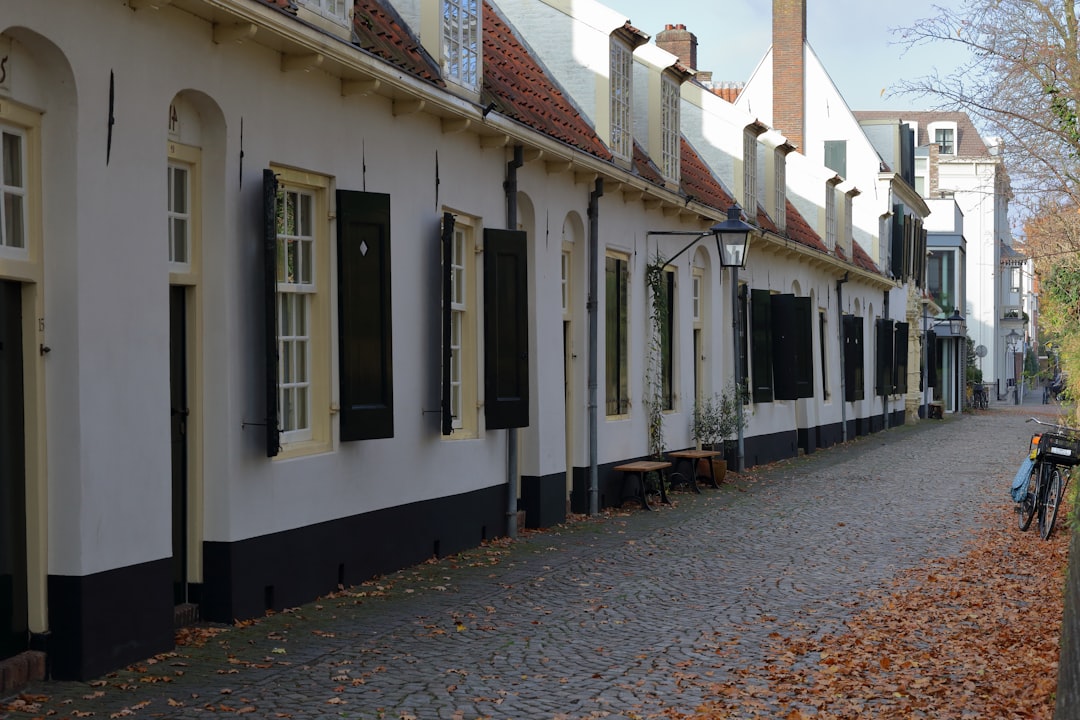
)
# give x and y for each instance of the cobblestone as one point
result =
(618, 617)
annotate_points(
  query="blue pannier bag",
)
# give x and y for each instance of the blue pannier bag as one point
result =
(1018, 489)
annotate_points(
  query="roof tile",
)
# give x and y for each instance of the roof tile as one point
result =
(699, 183)
(521, 89)
(379, 31)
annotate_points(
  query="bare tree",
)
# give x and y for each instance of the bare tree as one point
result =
(1021, 82)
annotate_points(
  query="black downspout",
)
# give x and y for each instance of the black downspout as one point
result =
(843, 351)
(885, 395)
(594, 271)
(510, 186)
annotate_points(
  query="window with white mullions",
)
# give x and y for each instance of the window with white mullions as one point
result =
(13, 188)
(669, 99)
(459, 307)
(179, 213)
(333, 9)
(621, 62)
(461, 41)
(296, 287)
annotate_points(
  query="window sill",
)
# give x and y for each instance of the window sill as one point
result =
(303, 448)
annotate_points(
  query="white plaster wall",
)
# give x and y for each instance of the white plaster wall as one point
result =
(827, 117)
(973, 186)
(108, 379)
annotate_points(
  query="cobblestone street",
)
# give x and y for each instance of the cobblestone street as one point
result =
(619, 616)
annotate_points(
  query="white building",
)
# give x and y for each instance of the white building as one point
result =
(328, 297)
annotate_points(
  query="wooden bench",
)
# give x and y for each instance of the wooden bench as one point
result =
(637, 470)
(692, 456)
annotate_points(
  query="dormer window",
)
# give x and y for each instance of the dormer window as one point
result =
(944, 139)
(620, 74)
(331, 9)
(669, 100)
(461, 42)
(943, 134)
(750, 179)
(780, 188)
(831, 226)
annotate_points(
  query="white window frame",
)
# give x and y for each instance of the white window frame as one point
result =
(932, 130)
(14, 195)
(294, 311)
(464, 308)
(831, 225)
(565, 271)
(670, 100)
(336, 10)
(697, 277)
(750, 176)
(622, 137)
(849, 227)
(461, 50)
(780, 189)
(180, 219)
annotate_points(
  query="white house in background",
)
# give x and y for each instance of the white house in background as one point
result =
(958, 163)
(946, 272)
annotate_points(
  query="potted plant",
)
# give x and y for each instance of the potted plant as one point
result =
(707, 428)
(730, 412)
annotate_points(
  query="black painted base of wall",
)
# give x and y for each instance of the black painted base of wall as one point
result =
(544, 500)
(764, 449)
(244, 579)
(107, 620)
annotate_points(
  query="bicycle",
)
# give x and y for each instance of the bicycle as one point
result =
(1054, 454)
(979, 397)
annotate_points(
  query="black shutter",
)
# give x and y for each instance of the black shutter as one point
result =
(784, 362)
(896, 262)
(932, 358)
(269, 248)
(744, 355)
(804, 348)
(506, 329)
(884, 356)
(792, 341)
(761, 351)
(364, 318)
(447, 241)
(900, 357)
(854, 377)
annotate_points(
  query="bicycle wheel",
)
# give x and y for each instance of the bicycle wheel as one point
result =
(1028, 504)
(1053, 497)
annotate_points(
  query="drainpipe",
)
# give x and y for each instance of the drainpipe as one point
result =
(885, 396)
(594, 271)
(510, 187)
(843, 387)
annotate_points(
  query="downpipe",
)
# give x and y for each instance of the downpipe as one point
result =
(510, 188)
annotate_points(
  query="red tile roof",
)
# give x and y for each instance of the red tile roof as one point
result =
(800, 231)
(380, 32)
(862, 259)
(644, 167)
(520, 88)
(699, 183)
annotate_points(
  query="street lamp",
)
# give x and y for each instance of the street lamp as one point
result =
(957, 330)
(1011, 340)
(732, 240)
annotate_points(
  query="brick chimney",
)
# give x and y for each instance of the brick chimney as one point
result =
(789, 69)
(680, 42)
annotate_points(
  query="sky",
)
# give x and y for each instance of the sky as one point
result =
(851, 37)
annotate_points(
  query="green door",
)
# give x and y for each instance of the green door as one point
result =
(14, 634)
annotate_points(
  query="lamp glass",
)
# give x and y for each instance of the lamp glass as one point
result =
(732, 248)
